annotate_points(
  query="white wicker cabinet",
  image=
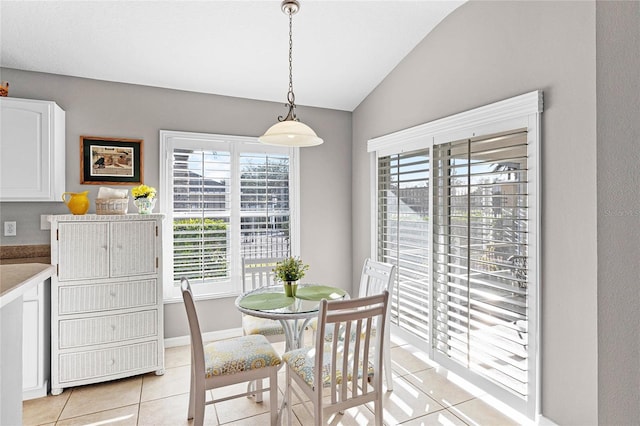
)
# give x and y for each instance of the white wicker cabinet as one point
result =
(106, 298)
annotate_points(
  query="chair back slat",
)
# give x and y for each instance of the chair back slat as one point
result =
(258, 273)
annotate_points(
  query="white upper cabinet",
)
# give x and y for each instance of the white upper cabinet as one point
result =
(32, 150)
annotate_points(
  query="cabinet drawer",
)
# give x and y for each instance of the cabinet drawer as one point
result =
(77, 299)
(107, 329)
(105, 362)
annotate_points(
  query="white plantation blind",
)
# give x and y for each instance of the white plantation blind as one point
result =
(201, 214)
(459, 214)
(227, 197)
(480, 256)
(264, 205)
(403, 235)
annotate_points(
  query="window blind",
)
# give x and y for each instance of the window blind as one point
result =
(203, 211)
(480, 245)
(403, 235)
(201, 214)
(264, 205)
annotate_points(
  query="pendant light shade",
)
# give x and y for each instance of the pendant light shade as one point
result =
(289, 131)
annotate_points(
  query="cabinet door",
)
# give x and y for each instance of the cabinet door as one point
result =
(32, 150)
(31, 334)
(133, 248)
(83, 250)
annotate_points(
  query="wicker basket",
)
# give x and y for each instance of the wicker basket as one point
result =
(112, 205)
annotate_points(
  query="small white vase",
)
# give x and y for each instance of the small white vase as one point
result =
(145, 205)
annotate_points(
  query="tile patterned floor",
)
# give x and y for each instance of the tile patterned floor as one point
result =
(422, 395)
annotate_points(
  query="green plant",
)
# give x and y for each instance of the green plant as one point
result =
(290, 269)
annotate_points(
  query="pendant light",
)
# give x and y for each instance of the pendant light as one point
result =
(289, 131)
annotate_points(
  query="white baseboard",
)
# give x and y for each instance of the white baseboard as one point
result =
(34, 393)
(172, 342)
(543, 421)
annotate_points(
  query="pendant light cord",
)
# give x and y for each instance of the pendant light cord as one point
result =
(291, 97)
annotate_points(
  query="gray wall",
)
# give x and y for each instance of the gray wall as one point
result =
(99, 108)
(488, 51)
(618, 124)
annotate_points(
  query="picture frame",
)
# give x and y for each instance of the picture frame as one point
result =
(113, 161)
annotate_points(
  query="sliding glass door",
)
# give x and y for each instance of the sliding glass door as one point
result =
(457, 207)
(480, 256)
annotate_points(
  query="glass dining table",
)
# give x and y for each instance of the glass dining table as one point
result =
(294, 313)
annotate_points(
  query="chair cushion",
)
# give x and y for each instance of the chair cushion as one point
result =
(239, 354)
(263, 326)
(302, 362)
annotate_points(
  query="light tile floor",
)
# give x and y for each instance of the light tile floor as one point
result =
(423, 395)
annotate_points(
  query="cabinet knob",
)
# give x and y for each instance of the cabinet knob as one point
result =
(113, 327)
(112, 361)
(112, 294)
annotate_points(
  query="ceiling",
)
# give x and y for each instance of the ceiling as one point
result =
(341, 49)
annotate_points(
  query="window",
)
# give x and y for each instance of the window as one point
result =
(457, 209)
(227, 197)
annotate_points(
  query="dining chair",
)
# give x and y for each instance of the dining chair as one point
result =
(346, 370)
(227, 362)
(259, 273)
(377, 277)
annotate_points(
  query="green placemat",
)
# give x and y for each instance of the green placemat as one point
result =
(266, 301)
(319, 292)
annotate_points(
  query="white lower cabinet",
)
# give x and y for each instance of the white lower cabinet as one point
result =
(35, 342)
(106, 298)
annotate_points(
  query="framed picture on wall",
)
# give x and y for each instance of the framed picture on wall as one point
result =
(113, 161)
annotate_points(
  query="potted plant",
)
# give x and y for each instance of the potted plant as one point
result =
(289, 271)
(144, 198)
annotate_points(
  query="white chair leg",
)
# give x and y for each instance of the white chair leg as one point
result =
(388, 376)
(258, 384)
(287, 396)
(198, 418)
(192, 401)
(273, 395)
(386, 358)
(317, 410)
(378, 412)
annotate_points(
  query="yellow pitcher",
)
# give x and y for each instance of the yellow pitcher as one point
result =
(78, 202)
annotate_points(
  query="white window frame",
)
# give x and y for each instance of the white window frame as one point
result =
(515, 113)
(235, 145)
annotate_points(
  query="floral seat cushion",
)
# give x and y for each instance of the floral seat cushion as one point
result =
(302, 362)
(239, 354)
(266, 327)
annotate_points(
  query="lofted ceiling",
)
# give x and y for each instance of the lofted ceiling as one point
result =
(341, 49)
